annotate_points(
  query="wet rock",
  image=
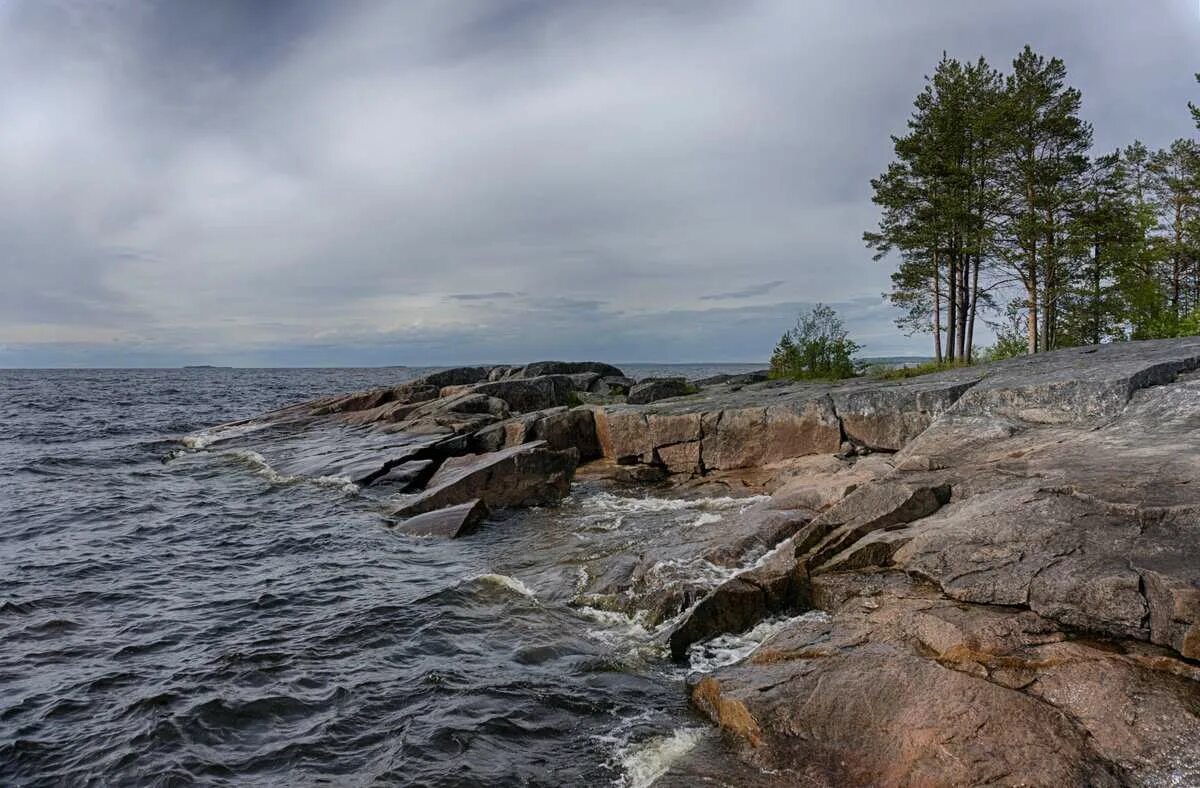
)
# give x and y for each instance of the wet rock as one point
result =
(406, 476)
(780, 583)
(654, 389)
(526, 475)
(451, 522)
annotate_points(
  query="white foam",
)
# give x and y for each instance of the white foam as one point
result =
(605, 511)
(707, 518)
(730, 649)
(617, 628)
(610, 503)
(645, 762)
(511, 583)
(205, 438)
(263, 468)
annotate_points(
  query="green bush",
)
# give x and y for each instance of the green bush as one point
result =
(818, 348)
(1008, 345)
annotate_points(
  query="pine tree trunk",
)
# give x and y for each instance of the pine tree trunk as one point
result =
(964, 308)
(952, 318)
(1096, 293)
(974, 305)
(937, 308)
(1031, 300)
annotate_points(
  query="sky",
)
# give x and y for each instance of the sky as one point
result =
(269, 183)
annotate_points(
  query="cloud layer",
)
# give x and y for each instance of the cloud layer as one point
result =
(431, 182)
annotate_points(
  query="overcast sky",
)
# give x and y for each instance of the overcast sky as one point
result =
(340, 183)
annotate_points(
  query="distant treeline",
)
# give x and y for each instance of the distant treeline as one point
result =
(995, 192)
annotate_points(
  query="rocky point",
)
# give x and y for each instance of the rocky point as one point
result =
(984, 576)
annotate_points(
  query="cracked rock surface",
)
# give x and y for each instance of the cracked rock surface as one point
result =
(1015, 602)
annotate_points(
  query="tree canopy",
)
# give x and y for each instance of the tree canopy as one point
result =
(996, 205)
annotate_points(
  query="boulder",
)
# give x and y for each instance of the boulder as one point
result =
(524, 395)
(584, 381)
(614, 385)
(654, 389)
(623, 434)
(754, 436)
(527, 475)
(886, 415)
(406, 476)
(898, 686)
(567, 429)
(457, 376)
(779, 583)
(540, 368)
(451, 522)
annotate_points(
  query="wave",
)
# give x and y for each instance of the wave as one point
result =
(511, 583)
(263, 468)
(606, 511)
(726, 650)
(198, 441)
(645, 762)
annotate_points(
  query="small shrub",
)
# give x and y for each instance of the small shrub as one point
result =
(818, 348)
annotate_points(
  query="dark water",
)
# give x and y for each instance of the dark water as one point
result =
(175, 617)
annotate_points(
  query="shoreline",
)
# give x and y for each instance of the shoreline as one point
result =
(1021, 533)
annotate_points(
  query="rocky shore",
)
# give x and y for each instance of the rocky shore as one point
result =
(984, 576)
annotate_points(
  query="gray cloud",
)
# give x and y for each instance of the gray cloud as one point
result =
(501, 294)
(745, 292)
(305, 182)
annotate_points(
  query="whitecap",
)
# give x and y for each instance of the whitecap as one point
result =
(205, 438)
(730, 649)
(263, 468)
(645, 762)
(511, 583)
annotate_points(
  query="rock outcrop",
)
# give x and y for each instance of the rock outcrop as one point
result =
(450, 522)
(526, 475)
(984, 576)
(652, 390)
(1016, 600)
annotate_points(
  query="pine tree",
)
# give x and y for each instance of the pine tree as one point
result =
(1103, 238)
(1138, 279)
(1175, 185)
(937, 200)
(1043, 162)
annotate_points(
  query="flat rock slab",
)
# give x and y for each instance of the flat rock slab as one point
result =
(526, 475)
(452, 522)
(900, 686)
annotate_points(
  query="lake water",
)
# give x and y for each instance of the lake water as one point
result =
(175, 616)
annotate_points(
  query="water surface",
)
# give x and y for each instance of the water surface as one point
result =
(170, 616)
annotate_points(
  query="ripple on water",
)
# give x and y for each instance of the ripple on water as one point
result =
(170, 613)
